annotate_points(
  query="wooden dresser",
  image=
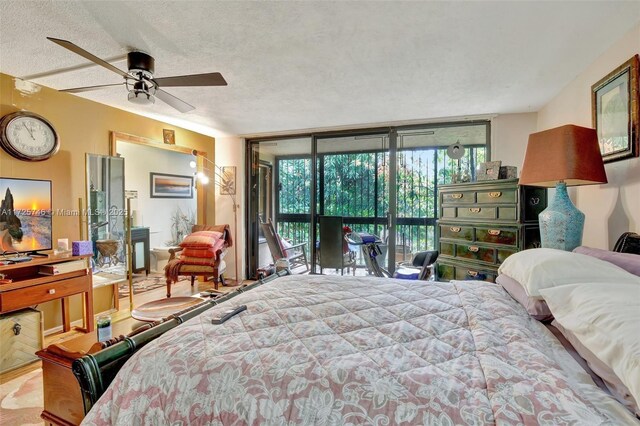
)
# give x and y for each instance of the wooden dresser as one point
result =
(482, 223)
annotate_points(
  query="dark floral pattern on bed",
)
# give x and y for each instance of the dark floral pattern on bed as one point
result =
(326, 351)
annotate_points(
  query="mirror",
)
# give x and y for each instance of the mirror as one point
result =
(106, 219)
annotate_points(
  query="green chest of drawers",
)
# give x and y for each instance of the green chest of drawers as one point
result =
(482, 223)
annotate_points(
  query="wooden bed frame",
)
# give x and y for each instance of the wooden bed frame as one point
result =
(97, 370)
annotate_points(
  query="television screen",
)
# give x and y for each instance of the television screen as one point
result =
(25, 215)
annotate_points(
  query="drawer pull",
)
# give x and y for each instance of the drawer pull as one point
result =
(455, 229)
(494, 232)
(534, 201)
(51, 291)
(472, 273)
(457, 196)
(475, 209)
(474, 249)
(497, 194)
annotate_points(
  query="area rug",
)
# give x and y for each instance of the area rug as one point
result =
(144, 283)
(21, 400)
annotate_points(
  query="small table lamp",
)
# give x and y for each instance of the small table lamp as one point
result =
(564, 156)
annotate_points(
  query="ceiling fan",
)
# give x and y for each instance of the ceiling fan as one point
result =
(143, 87)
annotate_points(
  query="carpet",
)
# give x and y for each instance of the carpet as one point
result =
(144, 283)
(22, 400)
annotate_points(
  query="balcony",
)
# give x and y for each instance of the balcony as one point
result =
(355, 185)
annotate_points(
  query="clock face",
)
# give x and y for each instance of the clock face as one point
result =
(28, 136)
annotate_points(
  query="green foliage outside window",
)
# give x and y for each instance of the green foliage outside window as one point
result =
(355, 185)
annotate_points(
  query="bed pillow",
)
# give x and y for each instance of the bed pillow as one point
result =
(604, 318)
(601, 370)
(542, 268)
(538, 309)
(627, 261)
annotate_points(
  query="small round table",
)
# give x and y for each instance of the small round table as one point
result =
(158, 309)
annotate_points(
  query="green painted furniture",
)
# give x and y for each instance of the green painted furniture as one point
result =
(482, 223)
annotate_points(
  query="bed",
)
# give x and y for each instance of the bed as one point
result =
(354, 350)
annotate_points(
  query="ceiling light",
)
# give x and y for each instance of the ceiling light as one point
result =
(192, 164)
(140, 94)
(204, 180)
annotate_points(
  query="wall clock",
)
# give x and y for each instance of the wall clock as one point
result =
(28, 136)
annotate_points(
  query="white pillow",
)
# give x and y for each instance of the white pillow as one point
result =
(542, 268)
(605, 318)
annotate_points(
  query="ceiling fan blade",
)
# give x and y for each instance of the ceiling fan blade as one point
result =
(210, 79)
(79, 51)
(174, 102)
(88, 88)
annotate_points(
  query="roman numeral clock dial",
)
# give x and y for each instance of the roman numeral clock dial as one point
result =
(28, 136)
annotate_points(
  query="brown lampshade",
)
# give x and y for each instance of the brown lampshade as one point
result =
(567, 153)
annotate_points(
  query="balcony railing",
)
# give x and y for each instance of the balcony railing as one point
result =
(355, 186)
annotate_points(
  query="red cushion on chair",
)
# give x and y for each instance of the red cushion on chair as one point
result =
(201, 239)
(284, 246)
(205, 253)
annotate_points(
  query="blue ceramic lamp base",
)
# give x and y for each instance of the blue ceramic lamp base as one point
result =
(561, 223)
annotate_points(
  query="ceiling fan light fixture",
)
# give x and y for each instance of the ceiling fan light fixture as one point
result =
(141, 97)
(140, 94)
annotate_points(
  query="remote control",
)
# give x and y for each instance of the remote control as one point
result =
(228, 314)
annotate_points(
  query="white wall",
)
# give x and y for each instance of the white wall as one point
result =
(509, 136)
(613, 208)
(230, 152)
(155, 213)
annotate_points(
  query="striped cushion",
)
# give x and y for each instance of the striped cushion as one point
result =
(206, 253)
(201, 240)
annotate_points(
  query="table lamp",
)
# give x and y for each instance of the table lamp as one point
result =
(564, 156)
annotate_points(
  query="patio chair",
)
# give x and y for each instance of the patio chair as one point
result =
(420, 267)
(296, 254)
(333, 251)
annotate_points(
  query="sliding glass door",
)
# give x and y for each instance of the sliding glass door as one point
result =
(380, 181)
(353, 182)
(280, 180)
(422, 163)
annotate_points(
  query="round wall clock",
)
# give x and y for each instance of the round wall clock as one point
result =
(28, 136)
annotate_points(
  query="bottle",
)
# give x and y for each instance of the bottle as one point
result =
(104, 327)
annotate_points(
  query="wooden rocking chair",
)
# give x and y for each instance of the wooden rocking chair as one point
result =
(296, 254)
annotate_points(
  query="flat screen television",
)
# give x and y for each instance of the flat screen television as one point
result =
(25, 215)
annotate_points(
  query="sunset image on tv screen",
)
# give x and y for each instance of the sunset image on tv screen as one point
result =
(25, 215)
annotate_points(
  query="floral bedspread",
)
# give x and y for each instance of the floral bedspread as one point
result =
(358, 350)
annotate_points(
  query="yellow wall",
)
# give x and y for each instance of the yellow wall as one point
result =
(83, 127)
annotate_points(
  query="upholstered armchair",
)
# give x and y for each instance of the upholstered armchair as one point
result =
(213, 268)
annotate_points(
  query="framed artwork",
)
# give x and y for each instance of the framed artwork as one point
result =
(169, 136)
(489, 170)
(615, 112)
(170, 186)
(228, 180)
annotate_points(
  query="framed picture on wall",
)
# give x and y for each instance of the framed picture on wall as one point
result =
(170, 186)
(169, 136)
(228, 180)
(615, 109)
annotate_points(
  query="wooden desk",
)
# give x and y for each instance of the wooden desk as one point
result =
(29, 287)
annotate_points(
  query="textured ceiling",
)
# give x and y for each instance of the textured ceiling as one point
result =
(301, 65)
